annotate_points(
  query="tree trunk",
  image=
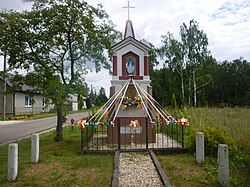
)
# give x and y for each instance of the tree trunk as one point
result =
(195, 90)
(4, 87)
(72, 62)
(59, 126)
(182, 87)
(189, 89)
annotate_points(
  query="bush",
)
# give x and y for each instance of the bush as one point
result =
(212, 137)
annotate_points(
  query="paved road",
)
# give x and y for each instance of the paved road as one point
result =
(11, 131)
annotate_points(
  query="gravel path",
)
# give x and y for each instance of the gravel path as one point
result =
(137, 169)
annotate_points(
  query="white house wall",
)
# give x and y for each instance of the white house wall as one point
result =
(20, 104)
(74, 106)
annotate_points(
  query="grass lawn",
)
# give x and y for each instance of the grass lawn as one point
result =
(183, 170)
(59, 165)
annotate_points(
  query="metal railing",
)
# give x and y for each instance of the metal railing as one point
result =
(122, 137)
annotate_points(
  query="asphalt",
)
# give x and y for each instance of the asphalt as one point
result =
(11, 131)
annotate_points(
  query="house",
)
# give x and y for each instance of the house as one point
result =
(18, 101)
(73, 103)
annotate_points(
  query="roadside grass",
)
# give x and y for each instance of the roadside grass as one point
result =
(183, 170)
(235, 121)
(30, 116)
(59, 164)
(40, 115)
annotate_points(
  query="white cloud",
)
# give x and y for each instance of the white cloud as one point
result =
(226, 23)
(98, 80)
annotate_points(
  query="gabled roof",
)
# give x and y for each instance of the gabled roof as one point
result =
(130, 40)
(22, 88)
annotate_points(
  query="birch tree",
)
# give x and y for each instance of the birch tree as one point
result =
(195, 45)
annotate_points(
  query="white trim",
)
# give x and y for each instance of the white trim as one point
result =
(126, 49)
(128, 41)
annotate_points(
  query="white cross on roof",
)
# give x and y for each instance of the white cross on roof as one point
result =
(128, 7)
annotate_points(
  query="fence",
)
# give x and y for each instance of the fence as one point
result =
(121, 136)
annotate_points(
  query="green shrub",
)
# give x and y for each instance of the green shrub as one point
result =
(212, 137)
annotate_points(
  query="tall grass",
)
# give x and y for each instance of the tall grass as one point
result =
(235, 121)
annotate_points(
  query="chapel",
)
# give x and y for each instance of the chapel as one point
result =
(130, 59)
(131, 62)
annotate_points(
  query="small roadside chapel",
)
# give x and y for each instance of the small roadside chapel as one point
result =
(130, 62)
(131, 118)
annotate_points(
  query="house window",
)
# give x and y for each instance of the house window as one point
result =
(28, 101)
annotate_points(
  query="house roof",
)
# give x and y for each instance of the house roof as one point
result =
(23, 88)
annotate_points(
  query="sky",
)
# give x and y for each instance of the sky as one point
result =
(226, 23)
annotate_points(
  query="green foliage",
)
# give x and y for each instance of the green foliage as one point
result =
(80, 104)
(183, 57)
(94, 99)
(55, 39)
(224, 84)
(213, 136)
(102, 98)
(194, 76)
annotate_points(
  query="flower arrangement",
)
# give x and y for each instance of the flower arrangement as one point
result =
(123, 106)
(101, 123)
(134, 124)
(136, 101)
(182, 121)
(81, 123)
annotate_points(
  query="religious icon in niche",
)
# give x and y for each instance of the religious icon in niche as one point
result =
(130, 66)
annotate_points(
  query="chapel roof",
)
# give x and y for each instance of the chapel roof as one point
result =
(129, 38)
(129, 30)
(142, 46)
